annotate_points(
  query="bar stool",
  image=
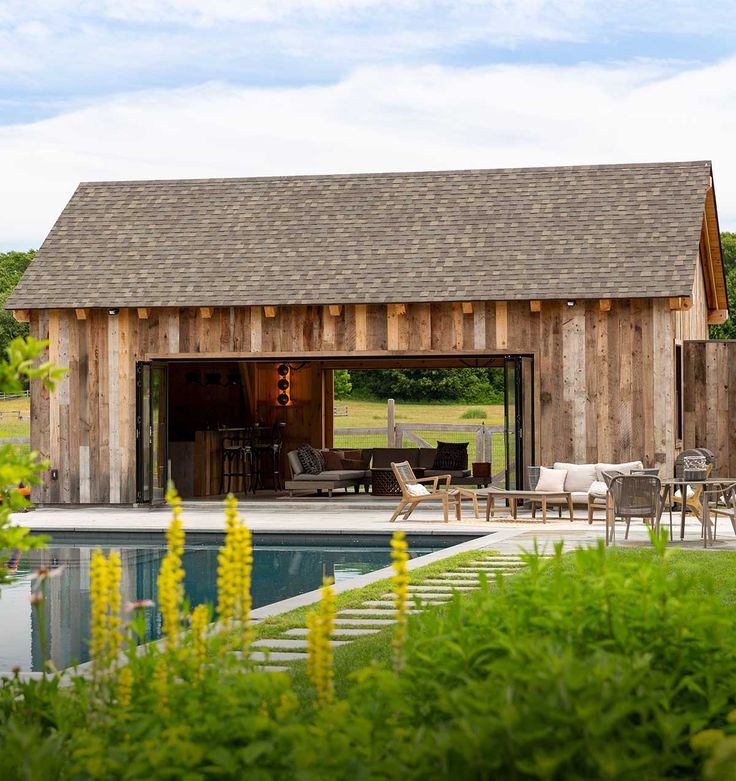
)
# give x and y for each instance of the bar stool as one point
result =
(236, 463)
(267, 455)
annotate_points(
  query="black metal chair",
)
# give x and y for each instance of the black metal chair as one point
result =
(267, 448)
(235, 463)
(633, 496)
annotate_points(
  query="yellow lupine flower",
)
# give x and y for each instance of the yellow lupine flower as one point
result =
(235, 566)
(400, 588)
(125, 687)
(161, 683)
(200, 619)
(99, 594)
(320, 625)
(114, 626)
(171, 574)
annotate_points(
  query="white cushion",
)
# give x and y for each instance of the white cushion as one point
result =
(579, 476)
(623, 468)
(416, 489)
(552, 480)
(598, 489)
(689, 492)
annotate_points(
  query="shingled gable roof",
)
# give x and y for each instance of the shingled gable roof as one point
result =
(607, 231)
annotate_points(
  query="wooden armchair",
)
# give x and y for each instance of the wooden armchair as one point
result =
(414, 492)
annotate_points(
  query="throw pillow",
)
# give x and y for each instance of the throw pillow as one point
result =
(416, 489)
(451, 455)
(551, 480)
(598, 489)
(333, 460)
(311, 459)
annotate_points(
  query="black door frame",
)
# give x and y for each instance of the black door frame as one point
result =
(144, 439)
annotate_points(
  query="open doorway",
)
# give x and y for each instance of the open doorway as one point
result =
(187, 409)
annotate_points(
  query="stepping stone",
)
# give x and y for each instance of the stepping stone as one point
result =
(370, 611)
(451, 586)
(286, 643)
(277, 656)
(272, 668)
(430, 595)
(335, 633)
(456, 575)
(364, 621)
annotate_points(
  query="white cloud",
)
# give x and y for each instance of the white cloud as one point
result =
(376, 119)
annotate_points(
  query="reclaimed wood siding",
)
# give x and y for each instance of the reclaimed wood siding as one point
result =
(604, 379)
(709, 399)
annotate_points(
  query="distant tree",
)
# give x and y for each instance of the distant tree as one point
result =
(474, 386)
(12, 266)
(728, 329)
(341, 383)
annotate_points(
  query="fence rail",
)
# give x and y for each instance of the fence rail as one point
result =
(22, 395)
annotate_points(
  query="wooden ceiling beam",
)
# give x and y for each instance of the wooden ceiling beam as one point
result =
(680, 303)
(22, 315)
(605, 304)
(81, 314)
(717, 316)
(269, 311)
(205, 312)
(467, 307)
(535, 305)
(142, 313)
(335, 309)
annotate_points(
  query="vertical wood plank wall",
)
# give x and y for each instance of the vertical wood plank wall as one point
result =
(709, 400)
(605, 378)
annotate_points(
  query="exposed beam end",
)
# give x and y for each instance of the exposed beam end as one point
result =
(335, 309)
(717, 316)
(142, 313)
(269, 311)
(22, 315)
(205, 312)
(81, 314)
(467, 307)
(535, 305)
(605, 304)
(680, 303)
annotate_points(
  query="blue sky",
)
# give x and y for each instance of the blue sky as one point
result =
(105, 89)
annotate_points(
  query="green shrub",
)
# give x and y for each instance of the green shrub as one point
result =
(598, 665)
(474, 413)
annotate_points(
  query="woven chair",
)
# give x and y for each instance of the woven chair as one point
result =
(633, 496)
(414, 492)
(719, 501)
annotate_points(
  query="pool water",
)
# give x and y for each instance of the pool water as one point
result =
(279, 572)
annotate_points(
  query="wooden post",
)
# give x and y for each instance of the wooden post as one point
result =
(390, 423)
(479, 442)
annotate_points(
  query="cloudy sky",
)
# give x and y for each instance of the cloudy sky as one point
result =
(129, 89)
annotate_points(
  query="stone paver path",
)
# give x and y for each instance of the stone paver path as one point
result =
(377, 614)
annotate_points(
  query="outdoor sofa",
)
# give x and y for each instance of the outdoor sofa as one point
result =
(584, 482)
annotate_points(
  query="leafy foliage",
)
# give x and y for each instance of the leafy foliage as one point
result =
(341, 383)
(474, 386)
(603, 664)
(16, 467)
(728, 329)
(12, 266)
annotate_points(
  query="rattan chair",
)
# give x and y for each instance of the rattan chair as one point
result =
(414, 492)
(719, 501)
(633, 496)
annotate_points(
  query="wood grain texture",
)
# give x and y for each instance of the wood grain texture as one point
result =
(604, 378)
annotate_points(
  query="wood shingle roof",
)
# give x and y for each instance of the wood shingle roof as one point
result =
(608, 231)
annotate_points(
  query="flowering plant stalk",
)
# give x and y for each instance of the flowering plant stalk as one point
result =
(235, 566)
(320, 625)
(106, 636)
(200, 620)
(400, 589)
(171, 575)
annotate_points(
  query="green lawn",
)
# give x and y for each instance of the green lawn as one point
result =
(10, 425)
(372, 414)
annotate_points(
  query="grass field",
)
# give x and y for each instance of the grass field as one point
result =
(372, 414)
(10, 425)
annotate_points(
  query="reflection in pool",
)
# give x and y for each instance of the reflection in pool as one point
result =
(278, 573)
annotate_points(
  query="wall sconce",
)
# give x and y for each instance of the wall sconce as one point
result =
(113, 311)
(283, 385)
(572, 302)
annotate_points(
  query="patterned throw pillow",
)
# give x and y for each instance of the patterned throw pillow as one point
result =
(311, 459)
(451, 455)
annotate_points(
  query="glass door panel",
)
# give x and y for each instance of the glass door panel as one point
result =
(143, 432)
(509, 421)
(159, 454)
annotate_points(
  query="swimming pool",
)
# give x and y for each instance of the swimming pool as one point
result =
(279, 571)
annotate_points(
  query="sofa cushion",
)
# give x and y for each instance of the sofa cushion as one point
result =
(311, 459)
(383, 457)
(579, 476)
(598, 489)
(452, 472)
(552, 480)
(426, 457)
(333, 474)
(333, 459)
(356, 463)
(624, 468)
(451, 455)
(294, 463)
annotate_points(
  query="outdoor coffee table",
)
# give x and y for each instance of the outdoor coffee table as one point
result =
(512, 497)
